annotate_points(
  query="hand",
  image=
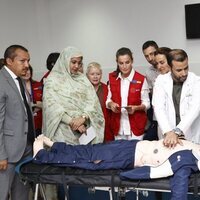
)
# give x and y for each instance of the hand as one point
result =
(131, 109)
(36, 109)
(82, 129)
(47, 141)
(38, 104)
(114, 107)
(3, 164)
(171, 140)
(76, 123)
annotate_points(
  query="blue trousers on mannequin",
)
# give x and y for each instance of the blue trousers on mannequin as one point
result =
(179, 184)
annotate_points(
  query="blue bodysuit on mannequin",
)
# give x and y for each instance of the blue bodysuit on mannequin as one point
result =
(120, 154)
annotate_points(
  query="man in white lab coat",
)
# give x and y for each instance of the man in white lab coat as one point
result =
(176, 101)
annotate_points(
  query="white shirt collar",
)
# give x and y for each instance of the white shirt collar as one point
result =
(130, 77)
(11, 72)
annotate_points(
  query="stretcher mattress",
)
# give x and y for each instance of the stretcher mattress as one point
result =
(50, 174)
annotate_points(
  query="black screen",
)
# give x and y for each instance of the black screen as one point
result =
(192, 20)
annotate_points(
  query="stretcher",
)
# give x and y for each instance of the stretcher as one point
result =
(49, 174)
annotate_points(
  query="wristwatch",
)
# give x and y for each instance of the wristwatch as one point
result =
(178, 132)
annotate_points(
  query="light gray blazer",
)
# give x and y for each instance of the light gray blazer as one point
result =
(13, 120)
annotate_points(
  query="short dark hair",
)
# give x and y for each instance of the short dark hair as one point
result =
(149, 43)
(10, 52)
(176, 55)
(51, 60)
(124, 51)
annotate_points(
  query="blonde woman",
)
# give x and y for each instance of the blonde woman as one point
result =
(94, 74)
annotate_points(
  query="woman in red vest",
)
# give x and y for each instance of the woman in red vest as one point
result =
(34, 89)
(128, 98)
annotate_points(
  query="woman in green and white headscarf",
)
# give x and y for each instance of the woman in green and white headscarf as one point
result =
(70, 103)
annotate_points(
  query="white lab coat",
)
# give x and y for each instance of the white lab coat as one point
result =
(189, 105)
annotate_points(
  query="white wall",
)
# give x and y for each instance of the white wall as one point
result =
(98, 27)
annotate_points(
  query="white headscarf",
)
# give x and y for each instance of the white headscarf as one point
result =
(67, 96)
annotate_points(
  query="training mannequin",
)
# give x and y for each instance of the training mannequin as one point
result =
(141, 159)
(120, 154)
(145, 153)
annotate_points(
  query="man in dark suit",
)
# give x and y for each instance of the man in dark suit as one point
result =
(16, 122)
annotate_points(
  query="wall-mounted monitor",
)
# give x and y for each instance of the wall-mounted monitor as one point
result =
(192, 20)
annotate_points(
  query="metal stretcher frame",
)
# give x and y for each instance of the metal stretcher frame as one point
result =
(49, 174)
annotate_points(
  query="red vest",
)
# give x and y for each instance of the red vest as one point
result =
(139, 118)
(108, 136)
(45, 76)
(37, 89)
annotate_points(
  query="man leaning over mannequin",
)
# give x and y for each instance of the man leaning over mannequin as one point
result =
(176, 101)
